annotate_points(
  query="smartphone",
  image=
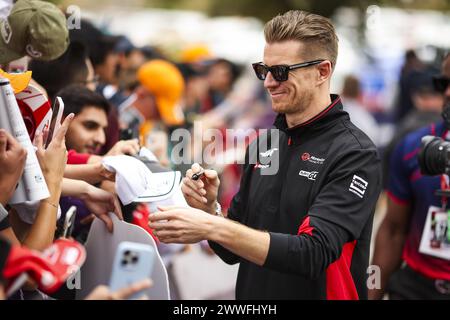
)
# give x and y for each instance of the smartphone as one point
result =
(69, 222)
(55, 123)
(133, 262)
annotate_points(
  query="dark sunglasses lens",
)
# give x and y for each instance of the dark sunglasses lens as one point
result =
(280, 73)
(260, 71)
(441, 83)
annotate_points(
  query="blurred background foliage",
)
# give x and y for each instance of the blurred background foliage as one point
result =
(263, 10)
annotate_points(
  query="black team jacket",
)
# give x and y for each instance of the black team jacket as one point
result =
(318, 209)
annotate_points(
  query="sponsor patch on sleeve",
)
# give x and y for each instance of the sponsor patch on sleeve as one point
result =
(358, 186)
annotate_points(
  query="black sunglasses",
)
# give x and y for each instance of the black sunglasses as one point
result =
(280, 72)
(441, 83)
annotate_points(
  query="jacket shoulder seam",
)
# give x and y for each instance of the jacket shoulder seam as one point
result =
(352, 133)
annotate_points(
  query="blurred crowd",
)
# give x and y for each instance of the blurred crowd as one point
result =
(121, 97)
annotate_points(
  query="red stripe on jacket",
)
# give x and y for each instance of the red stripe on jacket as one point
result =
(340, 284)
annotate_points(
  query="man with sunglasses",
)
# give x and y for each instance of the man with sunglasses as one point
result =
(304, 231)
(406, 272)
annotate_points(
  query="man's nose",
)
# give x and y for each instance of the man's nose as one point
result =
(100, 137)
(270, 81)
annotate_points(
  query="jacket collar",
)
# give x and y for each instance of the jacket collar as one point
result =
(324, 118)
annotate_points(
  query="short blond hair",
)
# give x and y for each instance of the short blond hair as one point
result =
(315, 31)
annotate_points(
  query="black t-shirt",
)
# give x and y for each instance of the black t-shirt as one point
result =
(318, 209)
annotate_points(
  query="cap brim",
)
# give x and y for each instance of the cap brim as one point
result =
(154, 167)
(170, 113)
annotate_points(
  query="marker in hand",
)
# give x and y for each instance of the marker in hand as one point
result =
(198, 175)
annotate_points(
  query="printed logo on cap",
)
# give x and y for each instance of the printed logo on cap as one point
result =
(306, 156)
(32, 52)
(6, 31)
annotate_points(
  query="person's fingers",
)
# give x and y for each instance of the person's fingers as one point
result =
(196, 168)
(88, 219)
(198, 183)
(12, 143)
(211, 175)
(134, 288)
(197, 186)
(129, 149)
(188, 191)
(45, 133)
(158, 226)
(157, 216)
(60, 134)
(194, 202)
(163, 234)
(194, 193)
(168, 208)
(108, 221)
(100, 292)
(3, 142)
(117, 209)
(111, 176)
(135, 146)
(39, 144)
(107, 174)
(39, 141)
(133, 143)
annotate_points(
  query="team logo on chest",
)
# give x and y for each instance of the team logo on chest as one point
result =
(308, 157)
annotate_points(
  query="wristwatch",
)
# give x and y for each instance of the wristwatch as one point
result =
(218, 209)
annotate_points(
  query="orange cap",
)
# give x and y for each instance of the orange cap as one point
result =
(165, 82)
(195, 54)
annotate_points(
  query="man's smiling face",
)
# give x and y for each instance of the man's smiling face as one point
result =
(86, 133)
(293, 95)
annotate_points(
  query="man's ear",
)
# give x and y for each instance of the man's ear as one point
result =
(325, 70)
